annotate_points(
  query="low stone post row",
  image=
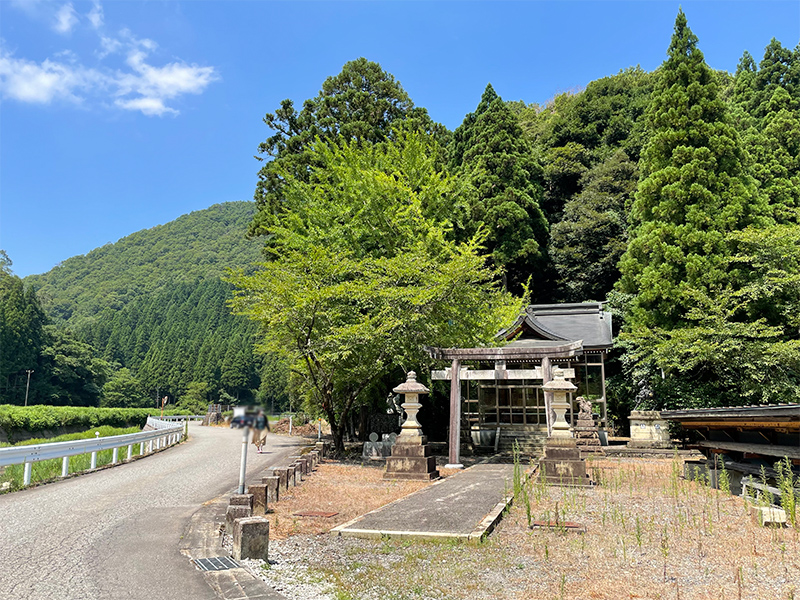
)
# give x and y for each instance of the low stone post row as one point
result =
(244, 518)
(280, 479)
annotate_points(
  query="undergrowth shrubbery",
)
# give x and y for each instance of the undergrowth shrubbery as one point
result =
(32, 419)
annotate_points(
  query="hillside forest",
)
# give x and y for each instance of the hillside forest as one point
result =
(673, 195)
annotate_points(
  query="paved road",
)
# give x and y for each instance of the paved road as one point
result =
(116, 533)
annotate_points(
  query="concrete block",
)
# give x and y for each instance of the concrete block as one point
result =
(294, 474)
(273, 488)
(251, 538)
(323, 448)
(768, 516)
(314, 454)
(236, 512)
(242, 500)
(283, 474)
(259, 493)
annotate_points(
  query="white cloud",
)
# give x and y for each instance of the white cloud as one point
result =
(66, 19)
(108, 46)
(138, 85)
(27, 81)
(148, 106)
(169, 81)
(95, 15)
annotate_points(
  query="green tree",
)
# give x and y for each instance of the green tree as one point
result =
(695, 190)
(71, 372)
(587, 244)
(739, 346)
(196, 397)
(364, 273)
(124, 390)
(493, 154)
(22, 334)
(362, 103)
(766, 107)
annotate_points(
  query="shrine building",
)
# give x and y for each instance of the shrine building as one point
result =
(499, 389)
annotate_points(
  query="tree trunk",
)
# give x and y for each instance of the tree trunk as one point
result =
(336, 431)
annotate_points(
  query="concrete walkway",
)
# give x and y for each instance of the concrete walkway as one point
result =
(467, 505)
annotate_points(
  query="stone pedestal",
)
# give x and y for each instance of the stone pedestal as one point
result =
(648, 430)
(282, 473)
(259, 493)
(562, 463)
(240, 505)
(411, 461)
(411, 456)
(273, 488)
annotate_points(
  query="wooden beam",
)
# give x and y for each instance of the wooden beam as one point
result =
(496, 374)
(760, 449)
(739, 423)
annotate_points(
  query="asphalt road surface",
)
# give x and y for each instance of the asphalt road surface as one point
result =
(116, 533)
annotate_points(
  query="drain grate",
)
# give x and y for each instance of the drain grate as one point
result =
(216, 563)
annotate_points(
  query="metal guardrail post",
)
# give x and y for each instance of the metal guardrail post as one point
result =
(130, 451)
(65, 466)
(26, 476)
(94, 461)
(115, 456)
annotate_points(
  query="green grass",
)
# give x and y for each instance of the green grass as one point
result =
(46, 470)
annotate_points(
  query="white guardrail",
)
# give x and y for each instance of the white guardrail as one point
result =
(183, 418)
(163, 434)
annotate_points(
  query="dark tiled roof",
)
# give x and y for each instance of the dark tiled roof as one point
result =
(565, 322)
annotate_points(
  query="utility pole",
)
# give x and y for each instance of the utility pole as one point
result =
(28, 385)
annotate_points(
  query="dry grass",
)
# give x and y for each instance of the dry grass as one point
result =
(350, 490)
(650, 534)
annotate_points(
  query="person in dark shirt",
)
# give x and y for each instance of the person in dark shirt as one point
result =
(260, 428)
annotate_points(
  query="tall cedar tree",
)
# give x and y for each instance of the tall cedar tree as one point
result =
(766, 103)
(694, 192)
(361, 104)
(493, 153)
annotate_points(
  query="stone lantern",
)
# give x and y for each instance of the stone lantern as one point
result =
(559, 387)
(562, 463)
(411, 456)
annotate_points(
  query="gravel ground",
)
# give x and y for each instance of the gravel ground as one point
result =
(649, 534)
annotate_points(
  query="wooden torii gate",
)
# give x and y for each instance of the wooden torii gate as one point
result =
(501, 356)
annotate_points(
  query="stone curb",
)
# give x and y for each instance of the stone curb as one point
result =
(202, 538)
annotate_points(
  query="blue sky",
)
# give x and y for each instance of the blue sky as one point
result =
(121, 115)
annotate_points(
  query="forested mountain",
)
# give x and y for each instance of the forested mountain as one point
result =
(202, 244)
(140, 319)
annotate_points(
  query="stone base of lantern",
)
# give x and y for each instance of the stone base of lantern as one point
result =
(411, 461)
(562, 463)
